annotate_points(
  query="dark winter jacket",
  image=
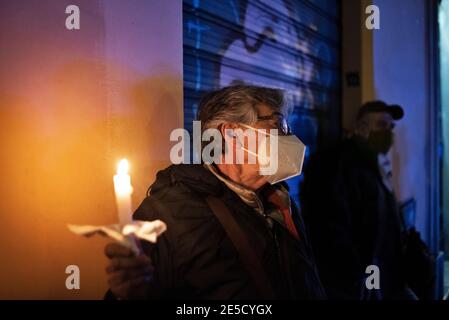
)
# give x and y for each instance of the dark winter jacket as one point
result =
(352, 221)
(195, 259)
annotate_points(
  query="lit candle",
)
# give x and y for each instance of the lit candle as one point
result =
(123, 191)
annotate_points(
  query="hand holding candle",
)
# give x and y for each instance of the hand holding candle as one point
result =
(126, 232)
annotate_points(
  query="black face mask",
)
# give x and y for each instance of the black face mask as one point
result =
(381, 140)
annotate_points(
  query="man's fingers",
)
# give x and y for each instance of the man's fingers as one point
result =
(134, 288)
(120, 263)
(117, 250)
(131, 288)
(111, 269)
(118, 277)
(130, 262)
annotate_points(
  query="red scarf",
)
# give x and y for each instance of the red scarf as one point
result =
(282, 206)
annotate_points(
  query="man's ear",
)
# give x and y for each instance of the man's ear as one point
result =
(227, 129)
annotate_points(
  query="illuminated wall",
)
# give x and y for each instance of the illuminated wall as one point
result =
(444, 62)
(71, 104)
(293, 45)
(400, 77)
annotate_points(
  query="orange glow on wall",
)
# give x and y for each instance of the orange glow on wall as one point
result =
(72, 103)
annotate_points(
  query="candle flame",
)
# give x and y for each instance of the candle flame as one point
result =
(123, 167)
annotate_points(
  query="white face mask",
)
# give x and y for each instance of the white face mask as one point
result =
(280, 157)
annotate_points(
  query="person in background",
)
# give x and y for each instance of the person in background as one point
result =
(351, 213)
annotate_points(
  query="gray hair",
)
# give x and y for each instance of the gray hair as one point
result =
(237, 104)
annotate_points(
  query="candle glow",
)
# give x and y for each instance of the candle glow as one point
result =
(123, 191)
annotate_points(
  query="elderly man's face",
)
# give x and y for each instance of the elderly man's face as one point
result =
(267, 151)
(268, 119)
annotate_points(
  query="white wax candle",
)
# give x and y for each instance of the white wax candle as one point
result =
(123, 191)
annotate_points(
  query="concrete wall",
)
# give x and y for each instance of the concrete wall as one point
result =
(72, 103)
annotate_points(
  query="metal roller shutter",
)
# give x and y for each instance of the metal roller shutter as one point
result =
(294, 45)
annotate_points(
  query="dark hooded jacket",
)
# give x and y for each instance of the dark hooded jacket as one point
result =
(353, 221)
(195, 259)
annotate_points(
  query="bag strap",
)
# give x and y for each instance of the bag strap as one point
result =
(246, 252)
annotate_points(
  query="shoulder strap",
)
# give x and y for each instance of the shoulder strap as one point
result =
(241, 243)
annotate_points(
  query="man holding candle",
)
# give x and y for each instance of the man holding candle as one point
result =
(232, 232)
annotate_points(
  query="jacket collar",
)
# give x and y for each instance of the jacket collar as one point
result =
(248, 196)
